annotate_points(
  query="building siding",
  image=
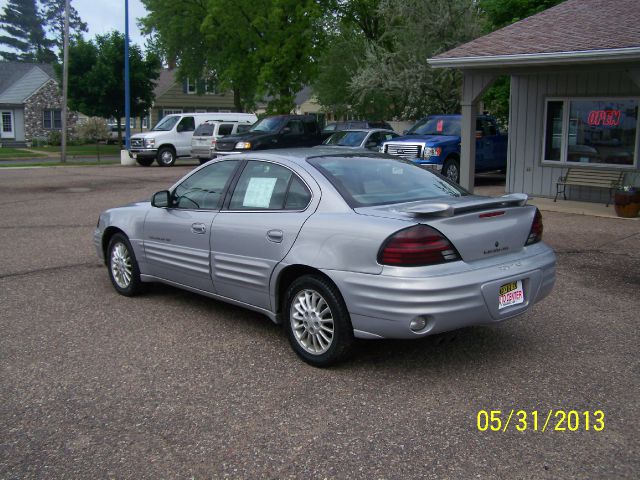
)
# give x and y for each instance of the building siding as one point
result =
(175, 98)
(526, 173)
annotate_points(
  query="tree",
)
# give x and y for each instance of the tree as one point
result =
(395, 66)
(53, 16)
(500, 13)
(24, 33)
(254, 48)
(96, 77)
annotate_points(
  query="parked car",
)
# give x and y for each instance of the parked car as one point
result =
(434, 142)
(334, 245)
(281, 131)
(333, 127)
(113, 133)
(171, 137)
(368, 139)
(203, 142)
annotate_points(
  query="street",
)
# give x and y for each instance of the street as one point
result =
(174, 385)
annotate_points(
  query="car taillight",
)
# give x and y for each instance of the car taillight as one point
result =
(535, 234)
(417, 246)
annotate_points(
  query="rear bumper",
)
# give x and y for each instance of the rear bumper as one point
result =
(383, 306)
(203, 152)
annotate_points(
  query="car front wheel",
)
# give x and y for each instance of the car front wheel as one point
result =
(317, 321)
(123, 267)
(451, 170)
(166, 157)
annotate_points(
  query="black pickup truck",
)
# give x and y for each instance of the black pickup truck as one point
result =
(281, 131)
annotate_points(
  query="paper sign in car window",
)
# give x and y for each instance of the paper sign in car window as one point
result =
(440, 126)
(259, 192)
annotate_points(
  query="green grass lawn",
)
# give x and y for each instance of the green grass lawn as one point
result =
(89, 150)
(18, 153)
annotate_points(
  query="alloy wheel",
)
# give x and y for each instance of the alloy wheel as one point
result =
(312, 322)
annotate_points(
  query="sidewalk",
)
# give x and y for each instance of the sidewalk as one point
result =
(561, 206)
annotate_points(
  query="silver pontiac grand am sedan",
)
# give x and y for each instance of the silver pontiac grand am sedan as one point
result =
(335, 246)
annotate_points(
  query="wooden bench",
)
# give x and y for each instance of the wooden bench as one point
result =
(609, 179)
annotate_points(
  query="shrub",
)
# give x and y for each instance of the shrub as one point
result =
(93, 130)
(54, 138)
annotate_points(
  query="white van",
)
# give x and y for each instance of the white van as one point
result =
(203, 142)
(171, 137)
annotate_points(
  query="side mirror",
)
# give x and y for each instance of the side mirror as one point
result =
(371, 144)
(404, 132)
(161, 199)
(479, 134)
(286, 130)
(180, 128)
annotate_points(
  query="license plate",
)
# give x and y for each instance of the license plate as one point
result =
(510, 294)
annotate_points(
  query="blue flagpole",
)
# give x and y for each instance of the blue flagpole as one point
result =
(127, 100)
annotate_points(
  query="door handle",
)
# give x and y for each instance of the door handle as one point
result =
(275, 236)
(198, 228)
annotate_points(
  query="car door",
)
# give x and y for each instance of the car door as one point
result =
(184, 131)
(256, 229)
(293, 134)
(177, 238)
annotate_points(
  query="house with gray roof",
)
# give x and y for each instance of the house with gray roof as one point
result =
(575, 95)
(30, 103)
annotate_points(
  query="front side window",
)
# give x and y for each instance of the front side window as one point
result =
(267, 186)
(187, 124)
(367, 180)
(204, 189)
(295, 127)
(591, 131)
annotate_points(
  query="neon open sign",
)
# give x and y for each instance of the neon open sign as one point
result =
(606, 118)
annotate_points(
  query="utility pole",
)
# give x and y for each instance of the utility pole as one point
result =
(65, 83)
(127, 94)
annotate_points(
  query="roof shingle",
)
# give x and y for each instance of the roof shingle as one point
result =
(572, 26)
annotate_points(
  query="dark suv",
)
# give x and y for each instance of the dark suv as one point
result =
(281, 131)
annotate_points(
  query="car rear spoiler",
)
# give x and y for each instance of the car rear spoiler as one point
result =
(441, 209)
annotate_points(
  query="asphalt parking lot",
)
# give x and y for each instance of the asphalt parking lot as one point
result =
(173, 385)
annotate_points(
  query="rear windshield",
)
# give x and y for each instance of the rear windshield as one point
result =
(367, 180)
(204, 130)
(436, 126)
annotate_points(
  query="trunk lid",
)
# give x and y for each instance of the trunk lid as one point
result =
(478, 227)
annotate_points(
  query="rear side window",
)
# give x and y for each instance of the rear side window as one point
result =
(243, 128)
(366, 180)
(225, 129)
(204, 130)
(298, 196)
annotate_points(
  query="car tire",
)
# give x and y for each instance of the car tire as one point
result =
(123, 266)
(317, 321)
(451, 169)
(144, 162)
(166, 157)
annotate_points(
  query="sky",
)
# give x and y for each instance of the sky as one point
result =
(103, 16)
